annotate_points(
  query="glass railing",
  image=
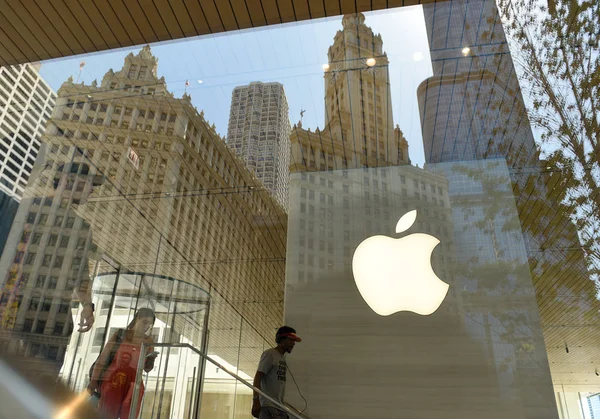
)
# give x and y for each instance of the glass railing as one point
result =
(187, 383)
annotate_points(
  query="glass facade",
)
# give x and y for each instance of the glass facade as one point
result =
(414, 190)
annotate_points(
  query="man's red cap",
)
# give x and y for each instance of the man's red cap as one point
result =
(292, 336)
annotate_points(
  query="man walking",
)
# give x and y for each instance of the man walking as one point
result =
(271, 374)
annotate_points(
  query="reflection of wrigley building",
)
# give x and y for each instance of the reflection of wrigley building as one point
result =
(359, 129)
(359, 133)
(177, 151)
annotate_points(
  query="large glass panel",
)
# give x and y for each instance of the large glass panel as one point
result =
(413, 190)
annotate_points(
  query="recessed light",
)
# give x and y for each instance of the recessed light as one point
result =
(371, 62)
(418, 56)
(466, 51)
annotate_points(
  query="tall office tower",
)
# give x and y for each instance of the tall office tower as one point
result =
(26, 102)
(359, 128)
(593, 402)
(168, 196)
(472, 109)
(259, 132)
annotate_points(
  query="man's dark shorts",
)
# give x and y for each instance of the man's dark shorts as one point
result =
(272, 413)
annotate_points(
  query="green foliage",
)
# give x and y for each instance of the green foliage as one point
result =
(555, 48)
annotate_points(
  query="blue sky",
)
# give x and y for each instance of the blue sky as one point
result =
(292, 54)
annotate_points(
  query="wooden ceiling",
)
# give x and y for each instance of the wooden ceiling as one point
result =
(39, 30)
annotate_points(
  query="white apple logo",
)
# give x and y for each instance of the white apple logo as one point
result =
(396, 275)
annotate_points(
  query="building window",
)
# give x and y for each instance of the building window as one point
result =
(34, 304)
(64, 241)
(41, 325)
(64, 307)
(58, 328)
(52, 352)
(52, 240)
(34, 350)
(46, 304)
(36, 238)
(47, 260)
(58, 261)
(27, 325)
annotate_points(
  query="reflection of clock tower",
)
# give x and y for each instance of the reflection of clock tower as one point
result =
(359, 130)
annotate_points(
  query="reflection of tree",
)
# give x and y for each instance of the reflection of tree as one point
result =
(495, 273)
(556, 51)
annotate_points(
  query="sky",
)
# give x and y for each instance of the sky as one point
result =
(292, 54)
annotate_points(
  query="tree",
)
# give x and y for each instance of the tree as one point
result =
(555, 49)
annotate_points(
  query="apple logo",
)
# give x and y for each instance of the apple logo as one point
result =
(396, 275)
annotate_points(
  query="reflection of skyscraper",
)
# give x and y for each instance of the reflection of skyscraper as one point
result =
(165, 206)
(594, 406)
(259, 132)
(472, 109)
(26, 102)
(8, 209)
(359, 129)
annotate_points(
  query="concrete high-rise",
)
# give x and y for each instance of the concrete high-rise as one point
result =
(359, 128)
(259, 132)
(26, 102)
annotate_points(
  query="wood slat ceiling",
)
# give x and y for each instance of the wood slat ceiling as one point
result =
(32, 31)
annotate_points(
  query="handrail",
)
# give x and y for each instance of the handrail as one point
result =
(292, 413)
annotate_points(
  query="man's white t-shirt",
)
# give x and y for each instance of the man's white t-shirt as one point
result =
(272, 364)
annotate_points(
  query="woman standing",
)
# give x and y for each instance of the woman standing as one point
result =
(114, 373)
